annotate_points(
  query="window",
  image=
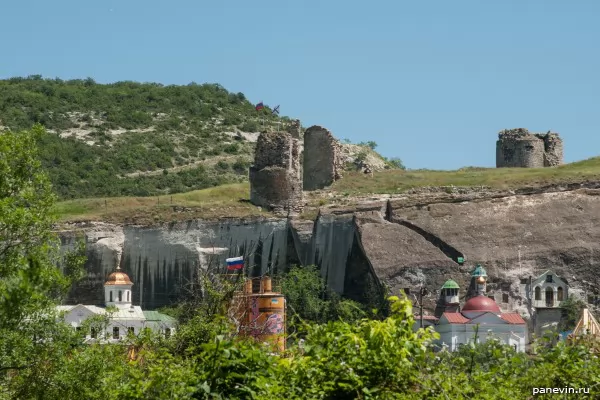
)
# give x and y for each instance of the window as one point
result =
(538, 293)
(94, 333)
(167, 332)
(492, 297)
(549, 297)
(110, 296)
(406, 291)
(116, 332)
(131, 330)
(559, 294)
(79, 330)
(120, 295)
(505, 297)
(549, 278)
(128, 295)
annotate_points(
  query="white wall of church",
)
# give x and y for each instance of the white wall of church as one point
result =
(117, 328)
(454, 335)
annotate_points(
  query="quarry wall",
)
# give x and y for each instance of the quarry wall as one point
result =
(162, 260)
(519, 148)
(401, 243)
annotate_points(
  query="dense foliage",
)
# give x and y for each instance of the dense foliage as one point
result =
(347, 357)
(101, 136)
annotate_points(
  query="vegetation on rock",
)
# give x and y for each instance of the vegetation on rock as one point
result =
(135, 139)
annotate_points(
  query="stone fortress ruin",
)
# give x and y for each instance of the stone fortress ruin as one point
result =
(286, 163)
(275, 181)
(519, 148)
(322, 161)
(278, 178)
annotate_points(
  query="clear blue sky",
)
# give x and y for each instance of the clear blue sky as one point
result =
(432, 82)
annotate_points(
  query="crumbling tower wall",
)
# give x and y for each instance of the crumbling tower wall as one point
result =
(322, 161)
(275, 181)
(553, 150)
(518, 148)
(295, 128)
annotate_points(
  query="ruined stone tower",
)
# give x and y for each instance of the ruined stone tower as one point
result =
(275, 181)
(322, 161)
(519, 148)
(295, 129)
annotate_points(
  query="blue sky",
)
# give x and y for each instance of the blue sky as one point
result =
(432, 82)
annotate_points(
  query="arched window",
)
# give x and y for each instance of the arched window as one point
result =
(128, 295)
(538, 293)
(120, 295)
(549, 297)
(559, 294)
(110, 296)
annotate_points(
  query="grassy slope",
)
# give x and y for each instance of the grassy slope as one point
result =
(394, 181)
(232, 200)
(110, 140)
(224, 201)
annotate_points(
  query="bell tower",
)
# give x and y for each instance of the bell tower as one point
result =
(477, 287)
(117, 289)
(448, 301)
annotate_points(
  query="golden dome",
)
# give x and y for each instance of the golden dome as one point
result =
(118, 278)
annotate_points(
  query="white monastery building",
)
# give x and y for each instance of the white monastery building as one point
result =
(123, 317)
(478, 320)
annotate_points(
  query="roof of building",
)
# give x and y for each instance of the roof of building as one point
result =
(512, 318)
(69, 308)
(157, 316)
(455, 318)
(458, 318)
(481, 303)
(118, 278)
(450, 284)
(117, 314)
(478, 271)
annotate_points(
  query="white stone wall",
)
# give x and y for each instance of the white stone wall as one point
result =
(453, 335)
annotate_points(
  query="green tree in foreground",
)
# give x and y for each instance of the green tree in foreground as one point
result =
(30, 282)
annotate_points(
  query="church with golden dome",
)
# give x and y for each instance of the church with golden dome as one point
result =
(121, 316)
(479, 319)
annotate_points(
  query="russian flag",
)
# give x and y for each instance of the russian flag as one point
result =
(235, 263)
(260, 106)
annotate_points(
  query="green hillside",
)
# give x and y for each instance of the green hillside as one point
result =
(135, 139)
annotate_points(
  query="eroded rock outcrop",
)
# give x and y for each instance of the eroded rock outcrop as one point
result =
(404, 242)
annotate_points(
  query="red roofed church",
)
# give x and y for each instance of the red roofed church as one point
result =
(479, 319)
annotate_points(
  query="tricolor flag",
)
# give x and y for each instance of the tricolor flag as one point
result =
(276, 110)
(235, 263)
(260, 106)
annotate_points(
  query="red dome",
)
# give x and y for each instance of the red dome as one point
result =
(481, 303)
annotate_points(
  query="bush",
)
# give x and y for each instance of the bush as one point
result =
(240, 166)
(395, 163)
(250, 126)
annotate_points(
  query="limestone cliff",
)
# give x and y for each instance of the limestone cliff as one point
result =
(401, 242)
